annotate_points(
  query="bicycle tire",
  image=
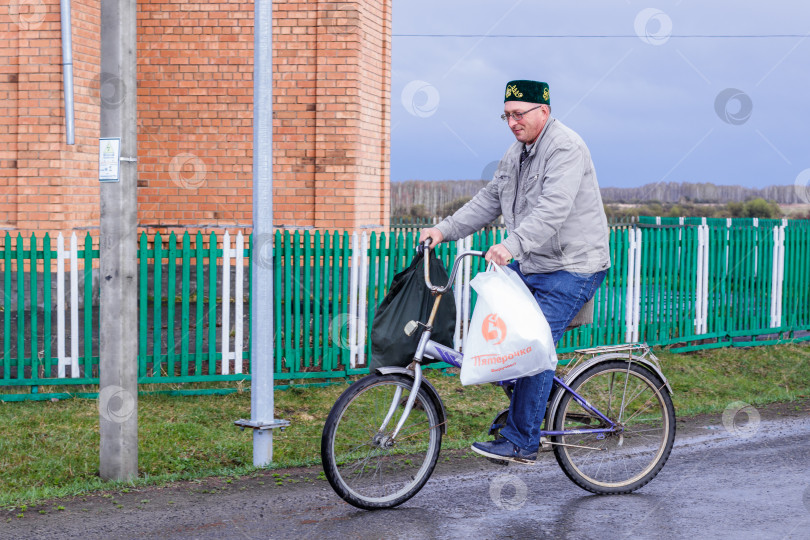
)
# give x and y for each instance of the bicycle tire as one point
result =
(352, 445)
(635, 399)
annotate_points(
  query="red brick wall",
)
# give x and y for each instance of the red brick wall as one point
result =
(331, 109)
(46, 184)
(194, 110)
(332, 130)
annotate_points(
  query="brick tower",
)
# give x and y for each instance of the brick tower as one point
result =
(331, 115)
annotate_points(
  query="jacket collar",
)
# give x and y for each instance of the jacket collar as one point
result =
(539, 138)
(513, 155)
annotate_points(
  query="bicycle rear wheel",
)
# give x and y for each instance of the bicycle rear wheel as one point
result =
(622, 461)
(363, 464)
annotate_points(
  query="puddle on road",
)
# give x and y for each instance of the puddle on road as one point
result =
(765, 430)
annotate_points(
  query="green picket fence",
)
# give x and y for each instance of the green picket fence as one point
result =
(697, 284)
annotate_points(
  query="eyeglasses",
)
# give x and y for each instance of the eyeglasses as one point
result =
(518, 116)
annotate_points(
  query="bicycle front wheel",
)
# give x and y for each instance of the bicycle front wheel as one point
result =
(628, 457)
(364, 465)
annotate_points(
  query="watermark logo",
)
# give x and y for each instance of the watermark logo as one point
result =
(116, 404)
(493, 329)
(111, 90)
(263, 250)
(653, 26)
(27, 14)
(340, 331)
(420, 99)
(733, 106)
(802, 186)
(581, 255)
(508, 492)
(187, 171)
(741, 419)
(488, 172)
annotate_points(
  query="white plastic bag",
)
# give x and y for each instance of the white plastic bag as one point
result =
(509, 336)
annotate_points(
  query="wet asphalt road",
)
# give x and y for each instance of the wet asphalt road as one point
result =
(716, 484)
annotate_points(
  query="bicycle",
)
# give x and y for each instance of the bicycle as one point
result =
(610, 420)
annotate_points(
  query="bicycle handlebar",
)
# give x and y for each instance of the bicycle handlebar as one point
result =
(424, 247)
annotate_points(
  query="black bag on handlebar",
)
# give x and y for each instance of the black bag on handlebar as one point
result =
(409, 299)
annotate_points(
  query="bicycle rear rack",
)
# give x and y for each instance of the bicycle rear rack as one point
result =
(640, 353)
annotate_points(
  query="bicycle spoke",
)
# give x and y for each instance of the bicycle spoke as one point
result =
(379, 470)
(352, 450)
(641, 390)
(649, 404)
(646, 407)
(634, 431)
(624, 393)
(361, 464)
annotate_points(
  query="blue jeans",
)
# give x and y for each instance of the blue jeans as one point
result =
(560, 295)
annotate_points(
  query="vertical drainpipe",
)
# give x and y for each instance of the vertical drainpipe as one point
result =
(67, 68)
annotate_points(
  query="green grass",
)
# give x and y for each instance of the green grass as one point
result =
(708, 381)
(50, 449)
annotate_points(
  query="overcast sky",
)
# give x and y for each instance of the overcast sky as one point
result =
(652, 101)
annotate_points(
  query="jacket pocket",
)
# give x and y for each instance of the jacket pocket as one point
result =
(533, 190)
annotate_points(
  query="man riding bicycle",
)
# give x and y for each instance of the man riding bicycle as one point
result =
(545, 187)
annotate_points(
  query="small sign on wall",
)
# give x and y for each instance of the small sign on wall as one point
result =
(109, 159)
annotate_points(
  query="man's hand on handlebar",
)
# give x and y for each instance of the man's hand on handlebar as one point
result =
(498, 254)
(435, 235)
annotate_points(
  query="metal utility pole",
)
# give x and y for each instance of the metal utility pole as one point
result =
(262, 419)
(118, 388)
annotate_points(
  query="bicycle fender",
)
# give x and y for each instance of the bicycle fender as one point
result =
(429, 389)
(578, 370)
(645, 362)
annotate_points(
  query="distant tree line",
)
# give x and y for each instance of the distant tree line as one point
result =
(424, 199)
(758, 208)
(700, 193)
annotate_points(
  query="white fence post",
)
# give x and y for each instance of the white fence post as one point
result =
(633, 296)
(226, 304)
(465, 300)
(781, 275)
(60, 307)
(353, 282)
(755, 222)
(774, 275)
(702, 281)
(704, 315)
(239, 297)
(74, 306)
(62, 359)
(458, 286)
(637, 287)
(778, 275)
(728, 240)
(461, 291)
(362, 304)
(631, 277)
(699, 291)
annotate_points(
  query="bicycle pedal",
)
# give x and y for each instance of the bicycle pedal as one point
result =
(498, 461)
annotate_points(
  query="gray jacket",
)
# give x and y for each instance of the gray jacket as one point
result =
(551, 206)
